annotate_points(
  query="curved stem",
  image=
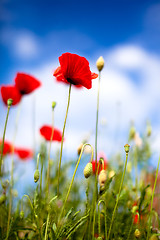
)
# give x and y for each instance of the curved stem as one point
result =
(49, 151)
(29, 200)
(117, 200)
(153, 197)
(60, 159)
(74, 176)
(4, 139)
(99, 220)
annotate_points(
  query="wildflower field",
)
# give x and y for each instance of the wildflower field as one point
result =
(120, 197)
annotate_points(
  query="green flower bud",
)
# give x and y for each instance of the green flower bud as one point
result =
(88, 170)
(22, 214)
(126, 147)
(134, 209)
(153, 237)
(36, 176)
(137, 233)
(5, 184)
(9, 102)
(2, 199)
(53, 104)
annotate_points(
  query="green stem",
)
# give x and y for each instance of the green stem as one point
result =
(12, 169)
(153, 198)
(41, 177)
(46, 227)
(130, 230)
(99, 218)
(117, 200)
(49, 151)
(60, 159)
(4, 139)
(136, 170)
(29, 200)
(74, 176)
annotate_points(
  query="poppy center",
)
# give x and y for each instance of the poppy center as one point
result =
(70, 81)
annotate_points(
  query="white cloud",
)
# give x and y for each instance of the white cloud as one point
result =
(122, 99)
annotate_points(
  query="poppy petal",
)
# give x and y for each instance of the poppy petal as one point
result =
(23, 153)
(7, 147)
(26, 83)
(46, 132)
(10, 92)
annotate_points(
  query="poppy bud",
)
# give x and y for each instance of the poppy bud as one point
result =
(111, 173)
(79, 148)
(2, 199)
(100, 63)
(99, 238)
(126, 147)
(134, 209)
(88, 170)
(9, 102)
(137, 233)
(21, 214)
(153, 237)
(102, 177)
(36, 176)
(5, 184)
(149, 130)
(53, 104)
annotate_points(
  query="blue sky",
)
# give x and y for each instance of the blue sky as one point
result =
(126, 33)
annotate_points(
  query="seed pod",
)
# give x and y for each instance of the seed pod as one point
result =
(126, 148)
(137, 233)
(102, 177)
(36, 176)
(9, 102)
(88, 170)
(2, 199)
(21, 214)
(100, 63)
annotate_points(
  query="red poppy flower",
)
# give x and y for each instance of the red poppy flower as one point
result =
(26, 83)
(74, 69)
(10, 92)
(23, 153)
(46, 132)
(7, 147)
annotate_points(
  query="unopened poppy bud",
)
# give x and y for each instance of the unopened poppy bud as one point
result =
(79, 148)
(5, 184)
(36, 176)
(153, 237)
(134, 209)
(88, 170)
(137, 233)
(149, 130)
(111, 173)
(9, 102)
(102, 177)
(21, 214)
(2, 199)
(53, 104)
(126, 148)
(99, 238)
(100, 63)
(132, 132)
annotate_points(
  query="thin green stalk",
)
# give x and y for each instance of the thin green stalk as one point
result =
(130, 230)
(46, 227)
(99, 218)
(12, 169)
(136, 170)
(70, 186)
(4, 139)
(41, 177)
(155, 182)
(49, 151)
(60, 159)
(117, 200)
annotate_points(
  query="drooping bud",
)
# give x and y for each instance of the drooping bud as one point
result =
(22, 214)
(53, 105)
(102, 177)
(9, 102)
(88, 170)
(137, 233)
(100, 63)
(126, 148)
(36, 176)
(2, 199)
